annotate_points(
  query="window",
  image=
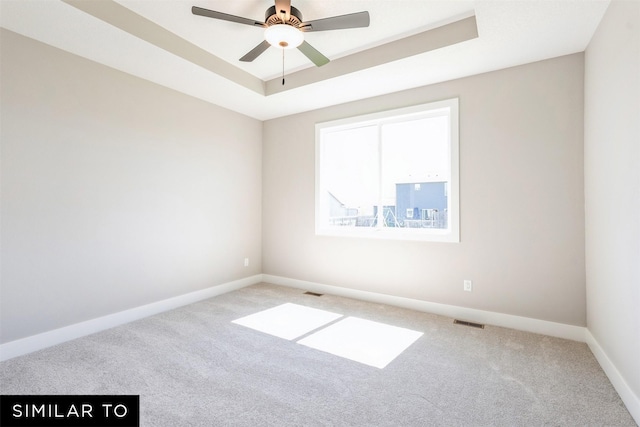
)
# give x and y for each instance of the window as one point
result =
(390, 175)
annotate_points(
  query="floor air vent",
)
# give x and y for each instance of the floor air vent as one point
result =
(313, 294)
(465, 323)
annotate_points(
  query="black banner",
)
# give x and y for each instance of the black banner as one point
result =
(69, 410)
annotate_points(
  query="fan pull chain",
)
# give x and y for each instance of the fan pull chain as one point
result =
(282, 67)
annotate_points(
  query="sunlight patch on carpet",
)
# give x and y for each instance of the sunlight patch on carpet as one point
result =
(288, 321)
(372, 343)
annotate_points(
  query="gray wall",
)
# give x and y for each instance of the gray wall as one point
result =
(115, 192)
(612, 188)
(522, 205)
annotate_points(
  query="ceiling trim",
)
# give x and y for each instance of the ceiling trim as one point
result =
(125, 19)
(436, 38)
(119, 16)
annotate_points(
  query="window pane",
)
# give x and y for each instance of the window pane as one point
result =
(350, 176)
(416, 170)
(390, 174)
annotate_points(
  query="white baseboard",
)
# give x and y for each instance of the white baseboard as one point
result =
(575, 333)
(57, 336)
(630, 399)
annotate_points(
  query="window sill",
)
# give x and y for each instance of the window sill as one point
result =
(447, 236)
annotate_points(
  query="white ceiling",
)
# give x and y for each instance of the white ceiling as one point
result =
(510, 32)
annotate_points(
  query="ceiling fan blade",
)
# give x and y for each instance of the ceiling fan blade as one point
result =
(255, 52)
(352, 20)
(311, 53)
(283, 6)
(225, 17)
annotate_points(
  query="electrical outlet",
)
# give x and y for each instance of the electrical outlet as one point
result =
(246, 262)
(468, 285)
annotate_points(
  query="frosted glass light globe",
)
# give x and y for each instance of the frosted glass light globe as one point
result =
(283, 36)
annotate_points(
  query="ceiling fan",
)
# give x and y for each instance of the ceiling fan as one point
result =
(285, 28)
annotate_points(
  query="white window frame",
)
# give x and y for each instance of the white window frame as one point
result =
(452, 233)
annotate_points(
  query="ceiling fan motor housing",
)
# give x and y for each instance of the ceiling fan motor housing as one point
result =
(271, 17)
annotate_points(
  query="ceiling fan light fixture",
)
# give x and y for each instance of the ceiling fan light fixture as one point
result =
(283, 36)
